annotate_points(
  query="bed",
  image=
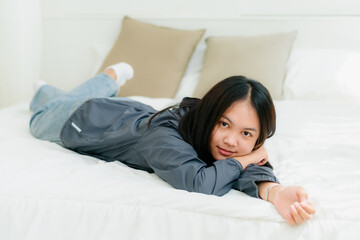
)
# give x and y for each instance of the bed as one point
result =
(48, 192)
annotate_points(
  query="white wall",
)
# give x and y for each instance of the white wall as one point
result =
(20, 49)
(199, 8)
(77, 34)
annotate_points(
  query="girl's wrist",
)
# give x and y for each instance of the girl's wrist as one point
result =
(243, 160)
(268, 190)
(272, 192)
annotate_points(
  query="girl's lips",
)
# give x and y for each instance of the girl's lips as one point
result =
(224, 152)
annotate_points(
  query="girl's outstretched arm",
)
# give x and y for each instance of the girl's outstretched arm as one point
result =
(291, 202)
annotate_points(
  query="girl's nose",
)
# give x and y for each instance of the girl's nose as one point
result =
(230, 140)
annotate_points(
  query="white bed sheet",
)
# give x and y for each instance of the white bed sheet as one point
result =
(48, 192)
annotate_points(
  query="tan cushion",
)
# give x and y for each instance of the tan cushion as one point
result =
(261, 58)
(158, 55)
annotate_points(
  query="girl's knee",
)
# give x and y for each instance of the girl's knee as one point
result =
(45, 126)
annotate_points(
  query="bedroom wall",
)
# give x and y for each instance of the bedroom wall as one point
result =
(77, 34)
(20, 49)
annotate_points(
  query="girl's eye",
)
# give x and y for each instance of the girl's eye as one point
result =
(247, 134)
(224, 124)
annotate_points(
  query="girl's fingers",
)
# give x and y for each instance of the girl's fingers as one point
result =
(295, 214)
(308, 207)
(305, 204)
(302, 212)
(302, 194)
(262, 162)
(299, 214)
(290, 219)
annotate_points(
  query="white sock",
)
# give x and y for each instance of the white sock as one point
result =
(123, 72)
(38, 84)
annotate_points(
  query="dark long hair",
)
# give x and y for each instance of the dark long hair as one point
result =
(197, 124)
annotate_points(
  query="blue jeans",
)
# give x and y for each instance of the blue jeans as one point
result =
(52, 107)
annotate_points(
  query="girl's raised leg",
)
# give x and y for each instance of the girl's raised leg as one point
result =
(52, 107)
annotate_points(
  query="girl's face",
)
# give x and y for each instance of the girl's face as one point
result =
(236, 132)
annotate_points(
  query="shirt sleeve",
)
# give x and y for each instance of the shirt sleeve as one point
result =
(252, 175)
(175, 161)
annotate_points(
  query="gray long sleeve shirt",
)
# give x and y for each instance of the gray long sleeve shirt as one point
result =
(116, 130)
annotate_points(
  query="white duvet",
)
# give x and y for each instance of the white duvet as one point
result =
(48, 192)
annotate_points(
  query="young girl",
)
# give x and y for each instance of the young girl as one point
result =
(207, 145)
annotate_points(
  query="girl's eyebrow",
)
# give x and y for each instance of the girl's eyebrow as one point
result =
(249, 129)
(227, 118)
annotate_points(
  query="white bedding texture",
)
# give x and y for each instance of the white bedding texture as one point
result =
(48, 192)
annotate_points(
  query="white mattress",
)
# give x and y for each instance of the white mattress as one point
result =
(48, 192)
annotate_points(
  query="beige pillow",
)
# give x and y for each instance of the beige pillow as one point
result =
(158, 55)
(261, 58)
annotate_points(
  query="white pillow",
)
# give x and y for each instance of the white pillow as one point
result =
(323, 75)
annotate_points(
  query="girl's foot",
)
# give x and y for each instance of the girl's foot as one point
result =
(120, 72)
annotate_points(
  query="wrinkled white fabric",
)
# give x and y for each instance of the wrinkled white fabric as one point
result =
(48, 192)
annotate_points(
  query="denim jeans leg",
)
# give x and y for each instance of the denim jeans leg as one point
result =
(47, 120)
(46, 123)
(44, 95)
(102, 85)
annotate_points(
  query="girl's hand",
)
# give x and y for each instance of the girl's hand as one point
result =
(292, 203)
(258, 156)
